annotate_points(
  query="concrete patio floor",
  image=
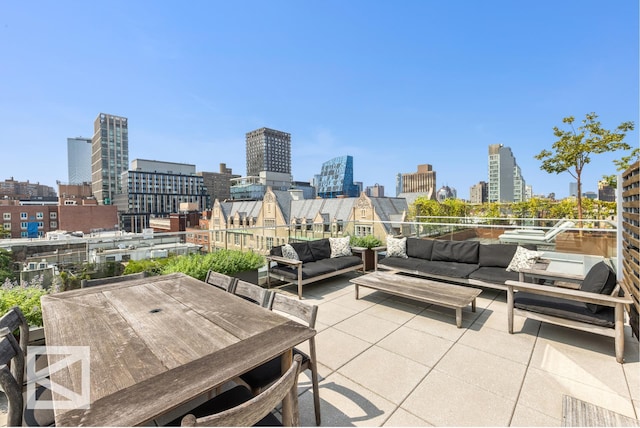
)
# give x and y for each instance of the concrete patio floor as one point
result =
(389, 361)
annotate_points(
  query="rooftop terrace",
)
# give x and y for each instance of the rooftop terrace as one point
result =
(388, 361)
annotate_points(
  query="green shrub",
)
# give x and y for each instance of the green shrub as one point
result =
(6, 265)
(26, 297)
(368, 241)
(150, 266)
(227, 262)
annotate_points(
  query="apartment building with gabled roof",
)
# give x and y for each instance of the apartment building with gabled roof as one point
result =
(282, 217)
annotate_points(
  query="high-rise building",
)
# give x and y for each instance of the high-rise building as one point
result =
(336, 179)
(268, 150)
(573, 189)
(218, 184)
(606, 192)
(398, 184)
(109, 156)
(375, 191)
(158, 189)
(79, 160)
(422, 181)
(446, 192)
(478, 193)
(506, 183)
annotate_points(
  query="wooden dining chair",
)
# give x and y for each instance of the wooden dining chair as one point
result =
(262, 376)
(239, 407)
(11, 360)
(14, 320)
(222, 281)
(10, 322)
(253, 293)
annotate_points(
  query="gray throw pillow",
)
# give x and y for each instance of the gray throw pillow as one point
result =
(601, 280)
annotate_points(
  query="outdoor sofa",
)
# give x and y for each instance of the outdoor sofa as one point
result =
(314, 262)
(596, 305)
(462, 262)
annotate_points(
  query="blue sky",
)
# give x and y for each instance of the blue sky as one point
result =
(394, 84)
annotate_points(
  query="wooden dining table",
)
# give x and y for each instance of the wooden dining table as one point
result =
(158, 343)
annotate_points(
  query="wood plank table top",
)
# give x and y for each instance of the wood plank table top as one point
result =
(421, 289)
(157, 343)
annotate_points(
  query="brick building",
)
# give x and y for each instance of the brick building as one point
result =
(29, 221)
(84, 218)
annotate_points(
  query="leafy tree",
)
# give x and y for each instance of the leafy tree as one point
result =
(521, 209)
(563, 209)
(454, 208)
(621, 165)
(426, 207)
(574, 148)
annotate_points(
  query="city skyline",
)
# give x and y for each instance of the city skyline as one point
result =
(393, 85)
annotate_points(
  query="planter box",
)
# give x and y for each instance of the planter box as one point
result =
(248, 276)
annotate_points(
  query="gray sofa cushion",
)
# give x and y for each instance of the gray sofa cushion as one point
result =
(419, 248)
(321, 267)
(601, 280)
(338, 263)
(309, 270)
(449, 269)
(498, 255)
(493, 274)
(276, 251)
(320, 249)
(563, 308)
(428, 267)
(455, 251)
(411, 264)
(304, 252)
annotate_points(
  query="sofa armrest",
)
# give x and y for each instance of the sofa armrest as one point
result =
(565, 293)
(283, 260)
(569, 280)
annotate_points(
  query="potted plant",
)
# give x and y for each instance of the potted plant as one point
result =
(367, 243)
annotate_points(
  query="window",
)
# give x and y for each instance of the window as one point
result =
(24, 235)
(23, 216)
(269, 243)
(41, 225)
(53, 224)
(40, 215)
(7, 226)
(6, 216)
(53, 215)
(23, 225)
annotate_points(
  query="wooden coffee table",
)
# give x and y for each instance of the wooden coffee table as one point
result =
(421, 289)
